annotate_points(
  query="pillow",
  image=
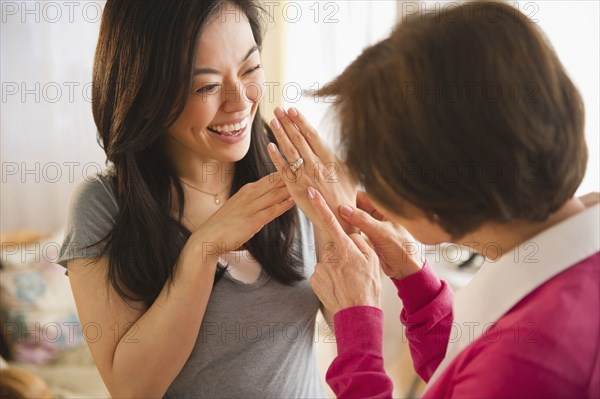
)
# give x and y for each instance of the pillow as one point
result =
(39, 317)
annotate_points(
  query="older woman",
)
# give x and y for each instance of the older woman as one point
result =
(463, 127)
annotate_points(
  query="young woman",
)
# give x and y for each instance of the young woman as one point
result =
(463, 127)
(187, 262)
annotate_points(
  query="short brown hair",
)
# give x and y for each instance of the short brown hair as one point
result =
(468, 114)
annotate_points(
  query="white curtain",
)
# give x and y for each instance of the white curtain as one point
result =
(48, 139)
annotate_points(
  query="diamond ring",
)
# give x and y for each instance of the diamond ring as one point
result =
(296, 165)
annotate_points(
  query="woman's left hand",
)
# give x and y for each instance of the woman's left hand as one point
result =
(320, 168)
(349, 275)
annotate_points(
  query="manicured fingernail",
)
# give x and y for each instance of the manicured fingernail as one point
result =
(272, 147)
(346, 210)
(279, 112)
(293, 112)
(311, 192)
(275, 124)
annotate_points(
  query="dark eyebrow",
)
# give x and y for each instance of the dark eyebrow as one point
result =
(200, 71)
(249, 53)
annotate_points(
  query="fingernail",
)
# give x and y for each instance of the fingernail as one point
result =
(346, 210)
(279, 112)
(290, 199)
(293, 112)
(275, 124)
(272, 147)
(311, 192)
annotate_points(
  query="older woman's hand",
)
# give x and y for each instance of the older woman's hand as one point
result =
(391, 242)
(349, 273)
(320, 168)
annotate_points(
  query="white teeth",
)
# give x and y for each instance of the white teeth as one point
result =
(230, 128)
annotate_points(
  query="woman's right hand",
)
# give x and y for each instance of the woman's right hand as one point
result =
(243, 215)
(391, 242)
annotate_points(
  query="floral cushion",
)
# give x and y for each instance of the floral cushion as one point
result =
(39, 318)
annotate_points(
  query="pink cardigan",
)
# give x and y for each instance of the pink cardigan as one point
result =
(545, 346)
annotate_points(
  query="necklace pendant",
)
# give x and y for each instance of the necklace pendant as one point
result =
(217, 200)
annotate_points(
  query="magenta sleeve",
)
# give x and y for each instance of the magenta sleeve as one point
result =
(357, 371)
(426, 317)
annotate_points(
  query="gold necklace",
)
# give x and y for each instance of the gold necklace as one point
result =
(216, 196)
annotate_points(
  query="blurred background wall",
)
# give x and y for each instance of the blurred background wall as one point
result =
(48, 138)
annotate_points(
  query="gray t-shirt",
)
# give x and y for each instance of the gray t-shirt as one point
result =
(256, 340)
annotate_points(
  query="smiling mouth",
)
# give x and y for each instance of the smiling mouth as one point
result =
(230, 129)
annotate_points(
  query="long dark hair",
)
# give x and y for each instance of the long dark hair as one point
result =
(142, 73)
